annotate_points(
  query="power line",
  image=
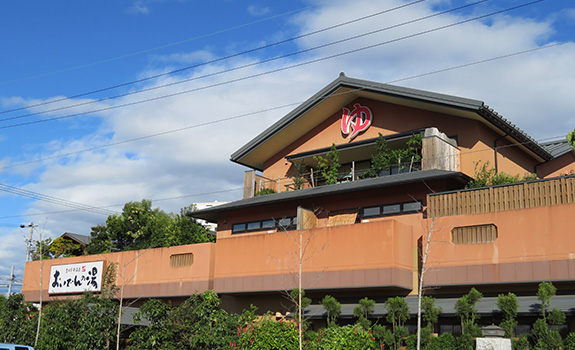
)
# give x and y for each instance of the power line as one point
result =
(282, 68)
(121, 205)
(195, 65)
(272, 108)
(54, 200)
(162, 46)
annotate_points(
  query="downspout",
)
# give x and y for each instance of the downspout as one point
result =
(495, 150)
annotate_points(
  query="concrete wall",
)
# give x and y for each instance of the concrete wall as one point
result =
(142, 273)
(533, 245)
(349, 256)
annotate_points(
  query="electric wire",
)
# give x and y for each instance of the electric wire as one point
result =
(270, 109)
(197, 65)
(278, 69)
(54, 200)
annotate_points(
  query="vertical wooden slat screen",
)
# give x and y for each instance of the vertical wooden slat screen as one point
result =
(507, 197)
(181, 260)
(474, 234)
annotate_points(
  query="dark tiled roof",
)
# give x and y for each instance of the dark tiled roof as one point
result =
(82, 239)
(557, 148)
(210, 214)
(356, 85)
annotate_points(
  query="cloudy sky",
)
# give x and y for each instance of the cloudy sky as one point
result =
(106, 102)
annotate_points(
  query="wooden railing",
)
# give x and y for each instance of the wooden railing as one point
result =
(524, 195)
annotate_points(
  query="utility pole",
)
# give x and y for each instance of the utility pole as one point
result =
(12, 278)
(29, 240)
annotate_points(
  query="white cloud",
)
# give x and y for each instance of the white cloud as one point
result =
(258, 11)
(138, 8)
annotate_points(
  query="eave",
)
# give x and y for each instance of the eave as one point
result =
(211, 214)
(344, 90)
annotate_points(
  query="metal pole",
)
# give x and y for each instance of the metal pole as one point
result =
(29, 240)
(12, 278)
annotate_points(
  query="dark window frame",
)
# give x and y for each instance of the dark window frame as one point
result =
(402, 210)
(261, 227)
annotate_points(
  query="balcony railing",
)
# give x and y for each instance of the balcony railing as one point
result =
(524, 195)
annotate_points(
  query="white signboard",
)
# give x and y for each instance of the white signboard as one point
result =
(76, 278)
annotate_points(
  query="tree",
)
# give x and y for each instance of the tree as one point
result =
(465, 310)
(571, 138)
(509, 305)
(83, 324)
(139, 226)
(198, 323)
(333, 308)
(17, 320)
(328, 165)
(397, 315)
(363, 310)
(544, 337)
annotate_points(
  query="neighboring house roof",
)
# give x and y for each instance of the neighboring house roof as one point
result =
(557, 148)
(211, 214)
(344, 90)
(81, 239)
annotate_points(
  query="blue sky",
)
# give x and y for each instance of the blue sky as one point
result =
(55, 50)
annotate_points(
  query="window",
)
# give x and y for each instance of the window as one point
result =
(181, 260)
(390, 209)
(254, 226)
(371, 211)
(288, 223)
(239, 228)
(411, 207)
(474, 234)
(268, 224)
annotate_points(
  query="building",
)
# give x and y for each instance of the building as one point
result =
(353, 235)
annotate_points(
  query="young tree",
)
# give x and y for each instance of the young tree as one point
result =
(544, 337)
(465, 310)
(328, 165)
(509, 305)
(333, 308)
(397, 315)
(363, 310)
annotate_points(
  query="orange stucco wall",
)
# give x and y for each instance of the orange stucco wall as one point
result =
(532, 245)
(358, 255)
(142, 273)
(557, 167)
(475, 140)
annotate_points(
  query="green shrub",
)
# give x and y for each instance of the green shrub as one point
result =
(446, 341)
(265, 191)
(343, 338)
(486, 176)
(521, 343)
(268, 334)
(569, 343)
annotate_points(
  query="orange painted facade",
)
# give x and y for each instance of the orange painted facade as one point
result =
(364, 237)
